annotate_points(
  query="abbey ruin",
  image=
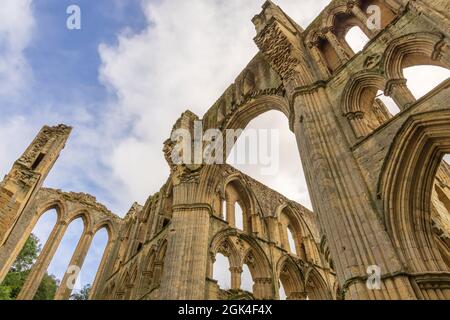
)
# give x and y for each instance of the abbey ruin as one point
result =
(377, 181)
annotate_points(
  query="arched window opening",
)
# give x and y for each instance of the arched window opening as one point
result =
(17, 275)
(388, 103)
(329, 55)
(91, 264)
(282, 291)
(45, 225)
(316, 288)
(422, 79)
(239, 216)
(291, 235)
(371, 108)
(246, 279)
(60, 262)
(278, 163)
(356, 39)
(238, 206)
(291, 282)
(291, 241)
(221, 272)
(223, 209)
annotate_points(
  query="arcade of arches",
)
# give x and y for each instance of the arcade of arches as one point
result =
(372, 152)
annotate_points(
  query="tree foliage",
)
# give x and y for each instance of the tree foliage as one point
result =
(83, 294)
(19, 271)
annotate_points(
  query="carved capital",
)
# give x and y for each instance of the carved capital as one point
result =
(236, 270)
(391, 84)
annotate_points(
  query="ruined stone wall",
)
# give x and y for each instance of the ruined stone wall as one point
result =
(27, 175)
(378, 186)
(141, 272)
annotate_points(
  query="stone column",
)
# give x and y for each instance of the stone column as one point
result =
(397, 89)
(262, 289)
(65, 288)
(103, 270)
(285, 239)
(255, 224)
(274, 230)
(236, 277)
(342, 203)
(185, 266)
(302, 251)
(40, 266)
(230, 214)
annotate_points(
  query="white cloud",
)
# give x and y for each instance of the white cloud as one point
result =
(11, 149)
(186, 57)
(16, 28)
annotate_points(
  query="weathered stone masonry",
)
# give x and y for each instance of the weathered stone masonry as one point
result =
(378, 185)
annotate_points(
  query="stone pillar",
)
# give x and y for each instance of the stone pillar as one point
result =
(40, 266)
(358, 123)
(342, 203)
(255, 224)
(302, 251)
(230, 214)
(104, 270)
(274, 230)
(185, 266)
(65, 288)
(262, 288)
(285, 239)
(399, 92)
(236, 277)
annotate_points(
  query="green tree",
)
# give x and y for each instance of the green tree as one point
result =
(27, 255)
(47, 289)
(19, 271)
(83, 294)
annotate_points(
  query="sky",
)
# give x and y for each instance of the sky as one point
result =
(121, 82)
